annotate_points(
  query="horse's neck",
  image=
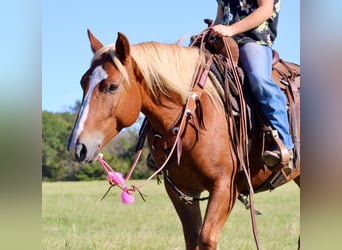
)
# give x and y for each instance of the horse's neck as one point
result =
(163, 114)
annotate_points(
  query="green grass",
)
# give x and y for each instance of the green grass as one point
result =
(73, 217)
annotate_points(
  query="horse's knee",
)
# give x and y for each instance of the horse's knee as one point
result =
(207, 242)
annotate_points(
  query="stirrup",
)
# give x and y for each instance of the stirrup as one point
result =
(273, 158)
(282, 176)
(284, 155)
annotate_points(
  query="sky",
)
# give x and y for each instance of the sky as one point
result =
(66, 52)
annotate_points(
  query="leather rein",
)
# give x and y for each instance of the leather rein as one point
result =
(192, 103)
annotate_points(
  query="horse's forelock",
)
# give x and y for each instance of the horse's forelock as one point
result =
(110, 50)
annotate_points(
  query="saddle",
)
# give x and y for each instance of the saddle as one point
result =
(285, 74)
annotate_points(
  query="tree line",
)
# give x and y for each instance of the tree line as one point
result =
(57, 164)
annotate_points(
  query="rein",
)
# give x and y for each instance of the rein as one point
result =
(242, 151)
(242, 144)
(192, 102)
(240, 138)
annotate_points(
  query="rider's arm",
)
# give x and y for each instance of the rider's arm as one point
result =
(253, 20)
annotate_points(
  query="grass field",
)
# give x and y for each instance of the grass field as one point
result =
(73, 217)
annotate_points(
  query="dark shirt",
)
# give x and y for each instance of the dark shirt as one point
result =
(235, 10)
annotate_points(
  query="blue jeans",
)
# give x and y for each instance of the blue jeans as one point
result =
(256, 60)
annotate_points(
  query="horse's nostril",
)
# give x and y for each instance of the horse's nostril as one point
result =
(81, 152)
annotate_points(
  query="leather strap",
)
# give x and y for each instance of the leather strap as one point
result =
(242, 147)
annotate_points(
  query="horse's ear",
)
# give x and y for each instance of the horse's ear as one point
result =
(94, 43)
(122, 48)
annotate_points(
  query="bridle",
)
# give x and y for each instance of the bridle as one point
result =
(192, 103)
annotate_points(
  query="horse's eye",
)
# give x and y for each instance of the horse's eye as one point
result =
(112, 87)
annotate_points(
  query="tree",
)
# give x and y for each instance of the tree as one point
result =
(57, 164)
(55, 131)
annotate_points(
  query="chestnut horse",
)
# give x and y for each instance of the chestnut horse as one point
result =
(153, 78)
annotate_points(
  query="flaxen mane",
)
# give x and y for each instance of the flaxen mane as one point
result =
(158, 62)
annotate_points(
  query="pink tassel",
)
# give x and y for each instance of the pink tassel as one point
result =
(115, 178)
(126, 197)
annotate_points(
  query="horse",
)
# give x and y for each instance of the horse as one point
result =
(153, 78)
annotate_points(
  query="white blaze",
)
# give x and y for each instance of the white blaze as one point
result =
(96, 77)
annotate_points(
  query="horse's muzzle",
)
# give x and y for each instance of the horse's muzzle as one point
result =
(79, 153)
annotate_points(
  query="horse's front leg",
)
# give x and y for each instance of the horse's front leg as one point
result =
(190, 216)
(221, 202)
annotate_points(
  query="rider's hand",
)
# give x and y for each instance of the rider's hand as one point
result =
(222, 30)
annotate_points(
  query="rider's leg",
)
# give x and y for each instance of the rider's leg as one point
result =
(256, 61)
